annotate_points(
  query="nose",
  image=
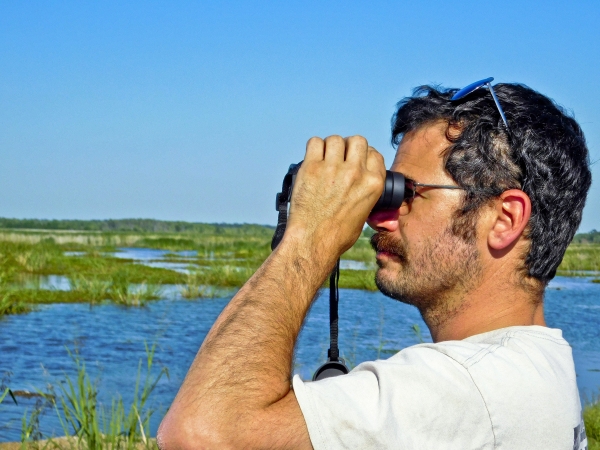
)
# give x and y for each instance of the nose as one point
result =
(384, 220)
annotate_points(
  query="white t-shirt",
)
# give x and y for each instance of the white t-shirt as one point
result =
(512, 388)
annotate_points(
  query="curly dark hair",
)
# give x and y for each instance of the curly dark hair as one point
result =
(544, 154)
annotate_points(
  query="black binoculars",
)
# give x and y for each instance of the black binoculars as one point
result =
(394, 190)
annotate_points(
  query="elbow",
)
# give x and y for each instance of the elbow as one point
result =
(171, 435)
(184, 433)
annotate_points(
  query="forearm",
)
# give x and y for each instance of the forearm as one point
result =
(250, 347)
(244, 364)
(237, 392)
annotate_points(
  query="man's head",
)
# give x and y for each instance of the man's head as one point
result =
(540, 164)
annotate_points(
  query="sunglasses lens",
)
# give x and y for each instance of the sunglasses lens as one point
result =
(409, 189)
(470, 88)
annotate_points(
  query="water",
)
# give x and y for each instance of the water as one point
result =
(152, 254)
(111, 340)
(157, 258)
(356, 265)
(50, 282)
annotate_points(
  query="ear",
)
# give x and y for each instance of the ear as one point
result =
(513, 210)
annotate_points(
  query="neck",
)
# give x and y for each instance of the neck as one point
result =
(497, 302)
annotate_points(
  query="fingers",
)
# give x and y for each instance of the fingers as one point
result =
(356, 152)
(315, 149)
(337, 149)
(375, 162)
(332, 149)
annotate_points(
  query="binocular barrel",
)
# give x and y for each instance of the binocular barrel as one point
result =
(393, 194)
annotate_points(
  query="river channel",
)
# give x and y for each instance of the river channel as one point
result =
(111, 340)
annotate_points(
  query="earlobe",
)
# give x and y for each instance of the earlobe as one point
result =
(512, 213)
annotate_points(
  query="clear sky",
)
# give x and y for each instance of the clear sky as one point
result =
(194, 110)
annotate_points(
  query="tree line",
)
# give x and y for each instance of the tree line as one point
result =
(136, 225)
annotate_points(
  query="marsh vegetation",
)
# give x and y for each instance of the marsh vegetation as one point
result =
(87, 423)
(202, 260)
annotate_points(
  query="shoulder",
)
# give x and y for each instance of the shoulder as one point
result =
(419, 397)
(449, 395)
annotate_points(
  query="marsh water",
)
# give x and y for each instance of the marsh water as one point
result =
(111, 340)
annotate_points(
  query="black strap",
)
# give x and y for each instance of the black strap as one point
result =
(334, 297)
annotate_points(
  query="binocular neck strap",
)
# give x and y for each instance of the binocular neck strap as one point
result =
(334, 297)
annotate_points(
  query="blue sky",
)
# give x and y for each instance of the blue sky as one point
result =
(193, 110)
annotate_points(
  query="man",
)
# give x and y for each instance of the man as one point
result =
(499, 185)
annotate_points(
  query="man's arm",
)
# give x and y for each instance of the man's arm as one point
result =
(237, 392)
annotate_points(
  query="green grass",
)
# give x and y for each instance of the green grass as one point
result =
(580, 257)
(87, 423)
(591, 417)
(93, 289)
(358, 279)
(11, 304)
(361, 251)
(226, 258)
(195, 287)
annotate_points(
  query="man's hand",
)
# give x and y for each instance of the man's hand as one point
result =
(237, 392)
(338, 184)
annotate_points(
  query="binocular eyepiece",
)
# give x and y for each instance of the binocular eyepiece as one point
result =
(394, 191)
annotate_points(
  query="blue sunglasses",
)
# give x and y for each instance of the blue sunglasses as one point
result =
(478, 84)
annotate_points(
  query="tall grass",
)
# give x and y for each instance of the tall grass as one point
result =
(90, 424)
(195, 287)
(581, 257)
(360, 251)
(122, 292)
(358, 279)
(224, 260)
(591, 417)
(117, 289)
(9, 302)
(92, 289)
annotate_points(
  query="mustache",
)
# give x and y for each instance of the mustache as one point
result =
(385, 242)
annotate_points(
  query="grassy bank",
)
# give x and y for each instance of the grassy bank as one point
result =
(225, 257)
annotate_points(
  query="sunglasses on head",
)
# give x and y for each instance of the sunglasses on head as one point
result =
(479, 84)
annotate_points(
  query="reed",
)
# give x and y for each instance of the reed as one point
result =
(226, 258)
(122, 292)
(92, 289)
(580, 257)
(86, 423)
(360, 251)
(11, 304)
(224, 276)
(194, 287)
(358, 279)
(591, 418)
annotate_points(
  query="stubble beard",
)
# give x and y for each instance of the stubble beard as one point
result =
(433, 277)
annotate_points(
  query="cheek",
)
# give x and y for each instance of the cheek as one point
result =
(427, 216)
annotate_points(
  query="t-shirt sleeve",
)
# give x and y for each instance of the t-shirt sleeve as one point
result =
(419, 398)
